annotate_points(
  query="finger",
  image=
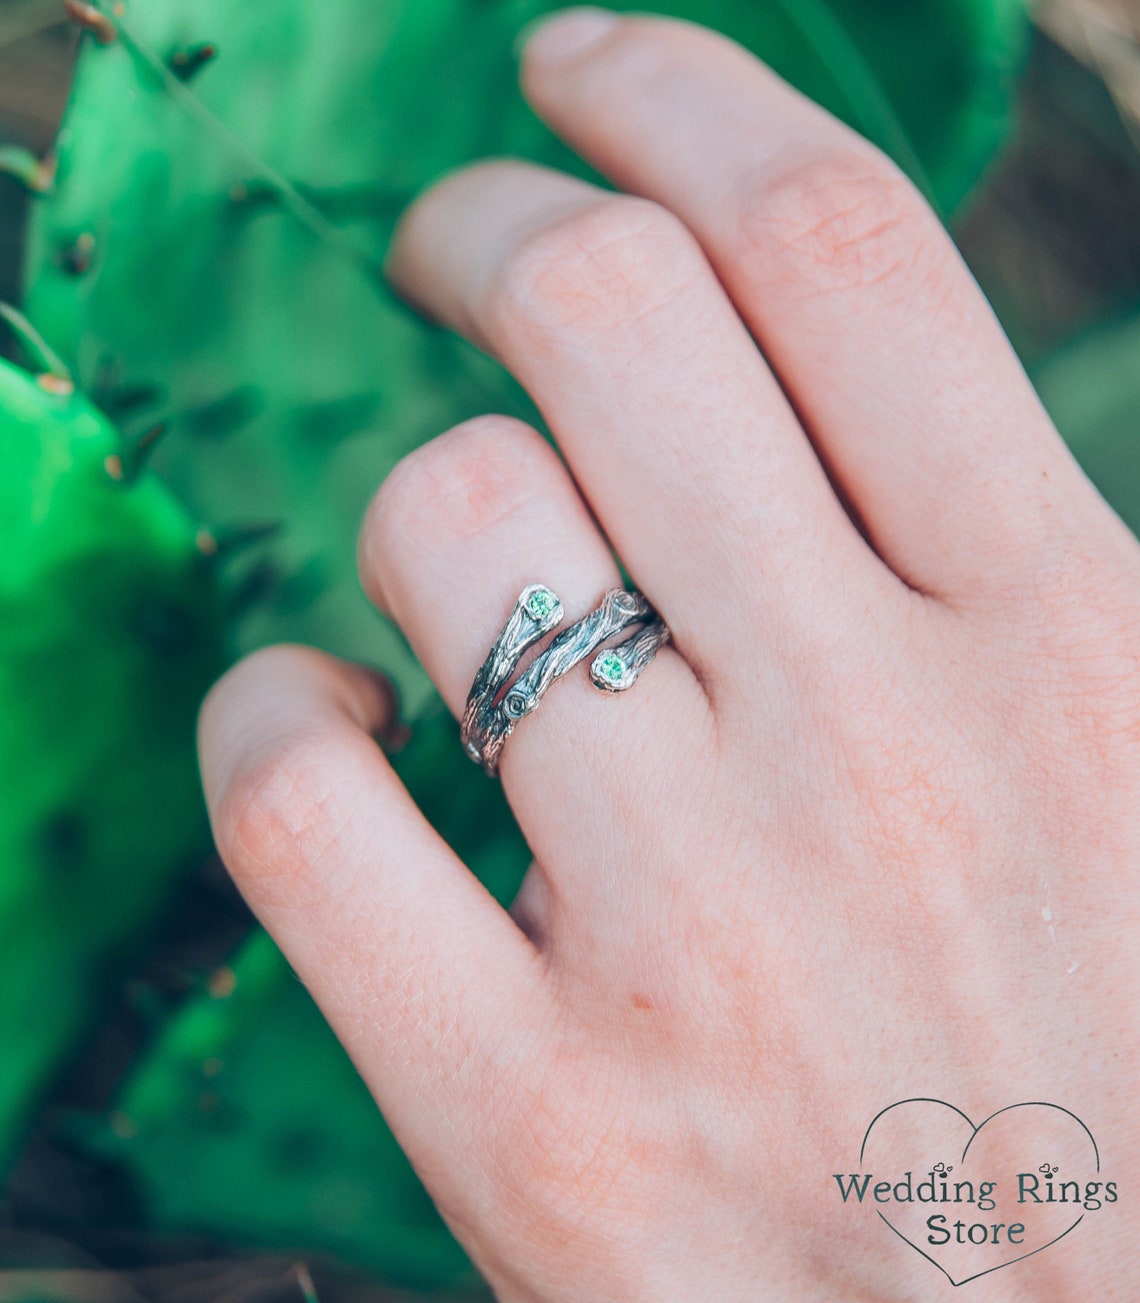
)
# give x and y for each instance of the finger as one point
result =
(675, 431)
(417, 968)
(858, 298)
(454, 535)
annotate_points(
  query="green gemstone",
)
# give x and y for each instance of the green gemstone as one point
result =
(540, 603)
(611, 667)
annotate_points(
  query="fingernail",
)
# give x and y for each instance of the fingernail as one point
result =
(563, 36)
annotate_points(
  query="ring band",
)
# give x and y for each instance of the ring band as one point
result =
(488, 722)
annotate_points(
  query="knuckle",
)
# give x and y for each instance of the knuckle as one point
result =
(841, 218)
(280, 817)
(459, 485)
(601, 268)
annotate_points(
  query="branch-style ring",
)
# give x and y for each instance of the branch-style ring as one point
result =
(492, 713)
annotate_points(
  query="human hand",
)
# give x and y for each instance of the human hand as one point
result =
(867, 829)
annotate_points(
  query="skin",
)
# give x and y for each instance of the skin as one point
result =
(867, 829)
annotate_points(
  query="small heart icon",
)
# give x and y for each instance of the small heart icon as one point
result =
(973, 1199)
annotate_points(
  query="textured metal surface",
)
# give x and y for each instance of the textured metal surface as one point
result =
(488, 722)
(633, 655)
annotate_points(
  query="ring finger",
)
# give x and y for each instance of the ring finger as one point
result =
(456, 532)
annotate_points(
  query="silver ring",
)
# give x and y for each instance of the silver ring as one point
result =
(491, 714)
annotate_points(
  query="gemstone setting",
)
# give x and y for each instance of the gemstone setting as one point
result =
(540, 603)
(609, 672)
(611, 666)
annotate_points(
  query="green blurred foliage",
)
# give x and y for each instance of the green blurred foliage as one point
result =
(110, 632)
(1091, 389)
(248, 1116)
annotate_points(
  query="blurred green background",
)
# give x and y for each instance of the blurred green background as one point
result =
(213, 382)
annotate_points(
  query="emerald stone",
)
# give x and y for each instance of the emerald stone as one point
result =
(540, 603)
(611, 667)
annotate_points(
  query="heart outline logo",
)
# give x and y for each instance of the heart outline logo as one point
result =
(974, 1132)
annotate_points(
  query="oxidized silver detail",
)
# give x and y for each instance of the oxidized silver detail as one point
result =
(522, 630)
(487, 723)
(618, 668)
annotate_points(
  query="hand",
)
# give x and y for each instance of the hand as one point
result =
(868, 828)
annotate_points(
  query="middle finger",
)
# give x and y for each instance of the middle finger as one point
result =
(605, 308)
